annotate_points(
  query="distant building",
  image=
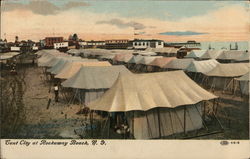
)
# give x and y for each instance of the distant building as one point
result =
(61, 45)
(92, 44)
(15, 48)
(188, 44)
(143, 44)
(49, 41)
(117, 44)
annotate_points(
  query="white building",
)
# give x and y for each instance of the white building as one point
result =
(61, 45)
(143, 44)
(92, 44)
(14, 48)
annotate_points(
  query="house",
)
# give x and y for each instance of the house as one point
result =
(49, 41)
(15, 48)
(61, 45)
(117, 44)
(143, 44)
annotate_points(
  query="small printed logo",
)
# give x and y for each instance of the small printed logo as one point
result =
(224, 142)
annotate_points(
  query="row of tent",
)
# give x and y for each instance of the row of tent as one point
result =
(216, 75)
(222, 55)
(7, 56)
(153, 108)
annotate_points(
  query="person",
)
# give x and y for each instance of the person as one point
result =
(56, 91)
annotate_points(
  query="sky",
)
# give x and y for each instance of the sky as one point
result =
(126, 19)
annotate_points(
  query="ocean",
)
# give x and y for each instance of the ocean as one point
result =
(242, 45)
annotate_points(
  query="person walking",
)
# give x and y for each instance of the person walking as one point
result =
(56, 91)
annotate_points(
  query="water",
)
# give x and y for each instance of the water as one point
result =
(242, 45)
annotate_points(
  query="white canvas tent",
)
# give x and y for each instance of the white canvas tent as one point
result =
(71, 68)
(211, 54)
(155, 108)
(230, 55)
(221, 77)
(178, 64)
(196, 54)
(165, 51)
(243, 84)
(91, 82)
(202, 66)
(141, 65)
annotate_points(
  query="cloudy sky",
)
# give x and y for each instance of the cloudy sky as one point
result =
(127, 19)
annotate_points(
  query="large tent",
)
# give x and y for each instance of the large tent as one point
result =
(211, 54)
(244, 57)
(243, 82)
(145, 53)
(158, 63)
(141, 65)
(221, 77)
(74, 52)
(71, 68)
(230, 55)
(196, 54)
(202, 66)
(122, 58)
(91, 82)
(178, 64)
(165, 51)
(154, 108)
(63, 61)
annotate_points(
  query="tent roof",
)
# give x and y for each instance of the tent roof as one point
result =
(211, 54)
(164, 50)
(181, 64)
(72, 68)
(123, 57)
(160, 62)
(8, 55)
(95, 77)
(146, 53)
(230, 54)
(244, 57)
(148, 59)
(244, 77)
(63, 61)
(147, 91)
(229, 70)
(202, 66)
(196, 53)
(135, 59)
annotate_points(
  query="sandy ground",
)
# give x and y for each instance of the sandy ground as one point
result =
(60, 120)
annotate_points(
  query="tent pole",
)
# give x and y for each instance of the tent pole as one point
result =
(213, 105)
(204, 110)
(179, 119)
(241, 94)
(201, 118)
(91, 122)
(133, 122)
(159, 121)
(108, 125)
(171, 124)
(149, 128)
(185, 120)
